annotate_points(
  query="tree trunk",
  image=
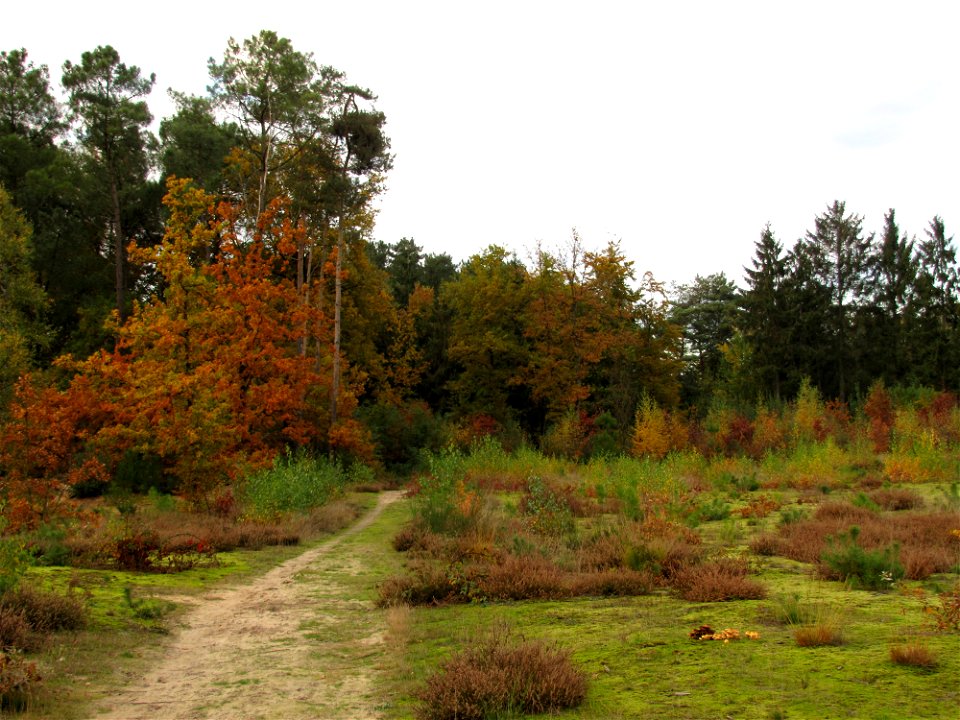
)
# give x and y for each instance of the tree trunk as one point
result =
(338, 290)
(118, 250)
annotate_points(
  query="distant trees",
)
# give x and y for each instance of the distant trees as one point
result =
(843, 308)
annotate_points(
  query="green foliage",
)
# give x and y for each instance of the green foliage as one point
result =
(401, 432)
(295, 483)
(138, 472)
(870, 569)
(548, 512)
(438, 503)
(14, 561)
(709, 510)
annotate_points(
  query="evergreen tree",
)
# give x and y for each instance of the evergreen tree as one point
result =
(765, 321)
(839, 255)
(936, 338)
(104, 99)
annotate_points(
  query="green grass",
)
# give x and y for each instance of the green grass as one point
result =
(124, 638)
(637, 652)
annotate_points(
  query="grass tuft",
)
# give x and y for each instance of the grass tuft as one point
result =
(914, 654)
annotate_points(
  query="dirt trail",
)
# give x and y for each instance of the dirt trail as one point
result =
(280, 647)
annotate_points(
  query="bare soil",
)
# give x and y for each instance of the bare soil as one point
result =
(292, 644)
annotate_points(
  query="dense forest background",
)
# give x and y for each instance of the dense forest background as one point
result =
(193, 303)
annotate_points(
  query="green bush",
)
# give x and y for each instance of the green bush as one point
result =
(871, 569)
(14, 561)
(295, 483)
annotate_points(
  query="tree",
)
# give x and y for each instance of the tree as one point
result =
(22, 301)
(487, 346)
(937, 333)
(893, 272)
(27, 107)
(706, 310)
(104, 99)
(766, 323)
(839, 254)
(194, 145)
(279, 100)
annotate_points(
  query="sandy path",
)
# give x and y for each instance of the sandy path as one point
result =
(281, 647)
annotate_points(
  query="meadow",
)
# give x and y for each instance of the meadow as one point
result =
(801, 564)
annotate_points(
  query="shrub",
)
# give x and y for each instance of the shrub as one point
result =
(46, 612)
(523, 578)
(709, 510)
(295, 483)
(549, 511)
(135, 549)
(914, 654)
(896, 499)
(718, 581)
(501, 674)
(872, 569)
(15, 632)
(17, 679)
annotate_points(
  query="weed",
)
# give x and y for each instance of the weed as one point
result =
(789, 610)
(296, 482)
(945, 617)
(14, 561)
(914, 654)
(502, 674)
(146, 608)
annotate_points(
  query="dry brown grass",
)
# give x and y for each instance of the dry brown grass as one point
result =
(825, 632)
(914, 654)
(502, 674)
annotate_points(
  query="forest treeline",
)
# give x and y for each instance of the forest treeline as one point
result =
(200, 300)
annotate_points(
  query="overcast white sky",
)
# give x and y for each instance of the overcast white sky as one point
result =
(679, 128)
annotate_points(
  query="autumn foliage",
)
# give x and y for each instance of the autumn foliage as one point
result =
(206, 376)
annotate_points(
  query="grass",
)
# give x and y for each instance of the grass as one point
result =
(823, 646)
(128, 615)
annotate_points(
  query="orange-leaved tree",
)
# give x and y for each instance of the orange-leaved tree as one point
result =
(207, 375)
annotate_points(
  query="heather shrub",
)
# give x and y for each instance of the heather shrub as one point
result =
(502, 674)
(718, 581)
(44, 611)
(15, 631)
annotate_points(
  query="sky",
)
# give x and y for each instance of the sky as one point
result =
(678, 129)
